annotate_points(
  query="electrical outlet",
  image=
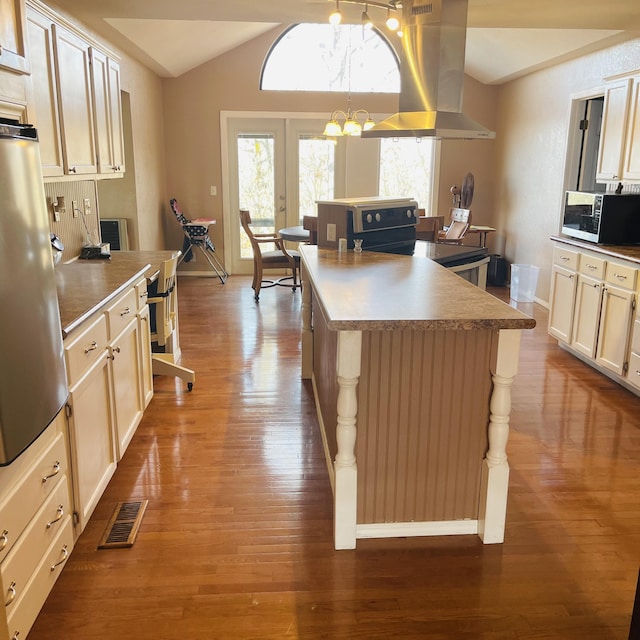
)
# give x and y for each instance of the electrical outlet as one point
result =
(214, 190)
(331, 233)
(87, 206)
(74, 208)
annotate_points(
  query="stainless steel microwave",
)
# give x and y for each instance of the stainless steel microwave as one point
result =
(603, 218)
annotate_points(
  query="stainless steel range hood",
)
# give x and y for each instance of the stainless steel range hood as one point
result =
(431, 75)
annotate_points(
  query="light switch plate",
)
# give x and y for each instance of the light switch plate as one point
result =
(331, 232)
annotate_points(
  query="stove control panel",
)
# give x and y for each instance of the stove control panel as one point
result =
(376, 219)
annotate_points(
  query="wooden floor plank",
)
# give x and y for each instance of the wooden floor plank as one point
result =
(236, 541)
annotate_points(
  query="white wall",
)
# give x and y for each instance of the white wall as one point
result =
(532, 133)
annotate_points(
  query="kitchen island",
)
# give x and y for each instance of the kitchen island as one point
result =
(411, 368)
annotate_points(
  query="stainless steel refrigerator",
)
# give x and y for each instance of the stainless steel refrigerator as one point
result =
(33, 385)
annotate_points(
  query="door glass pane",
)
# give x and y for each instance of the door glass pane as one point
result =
(256, 182)
(316, 172)
(406, 169)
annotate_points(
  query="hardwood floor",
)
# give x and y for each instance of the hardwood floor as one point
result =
(236, 542)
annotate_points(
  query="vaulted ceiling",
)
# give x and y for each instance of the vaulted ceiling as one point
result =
(505, 38)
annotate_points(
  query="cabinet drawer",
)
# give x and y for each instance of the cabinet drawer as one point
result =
(592, 267)
(22, 613)
(620, 275)
(141, 293)
(565, 258)
(26, 554)
(83, 350)
(633, 374)
(26, 498)
(122, 312)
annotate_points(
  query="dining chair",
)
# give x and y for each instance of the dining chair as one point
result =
(196, 235)
(162, 301)
(428, 227)
(459, 222)
(264, 258)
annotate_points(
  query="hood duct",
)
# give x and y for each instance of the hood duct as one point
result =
(431, 75)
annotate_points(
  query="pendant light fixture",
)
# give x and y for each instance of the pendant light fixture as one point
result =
(354, 122)
(336, 17)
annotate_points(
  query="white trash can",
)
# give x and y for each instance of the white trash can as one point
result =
(524, 279)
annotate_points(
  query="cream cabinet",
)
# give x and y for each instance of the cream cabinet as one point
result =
(36, 530)
(633, 373)
(619, 151)
(73, 73)
(13, 50)
(45, 93)
(76, 99)
(91, 433)
(592, 308)
(125, 368)
(105, 78)
(563, 293)
(144, 349)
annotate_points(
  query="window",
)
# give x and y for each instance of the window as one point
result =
(406, 169)
(323, 57)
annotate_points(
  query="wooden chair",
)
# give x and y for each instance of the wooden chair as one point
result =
(459, 222)
(310, 223)
(162, 303)
(428, 227)
(278, 258)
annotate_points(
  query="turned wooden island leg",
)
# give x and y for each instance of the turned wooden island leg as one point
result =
(345, 470)
(494, 485)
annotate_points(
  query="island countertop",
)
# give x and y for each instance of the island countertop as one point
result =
(85, 286)
(378, 291)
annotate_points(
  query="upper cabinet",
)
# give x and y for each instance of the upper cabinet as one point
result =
(619, 152)
(76, 99)
(107, 111)
(13, 55)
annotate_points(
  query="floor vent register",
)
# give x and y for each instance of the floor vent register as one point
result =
(124, 524)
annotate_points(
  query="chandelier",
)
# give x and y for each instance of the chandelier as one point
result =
(354, 122)
(391, 7)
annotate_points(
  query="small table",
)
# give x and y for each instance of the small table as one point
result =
(482, 231)
(294, 234)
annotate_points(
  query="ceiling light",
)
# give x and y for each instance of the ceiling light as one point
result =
(366, 20)
(352, 126)
(336, 17)
(392, 21)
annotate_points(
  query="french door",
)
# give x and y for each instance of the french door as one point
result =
(276, 168)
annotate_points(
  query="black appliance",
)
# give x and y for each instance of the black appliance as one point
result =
(603, 218)
(383, 224)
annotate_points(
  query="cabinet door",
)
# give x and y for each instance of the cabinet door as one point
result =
(615, 326)
(612, 135)
(102, 120)
(127, 395)
(13, 54)
(631, 169)
(115, 112)
(586, 315)
(91, 439)
(144, 353)
(45, 97)
(76, 110)
(563, 292)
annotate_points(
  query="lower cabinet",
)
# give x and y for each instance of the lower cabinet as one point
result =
(36, 528)
(106, 360)
(592, 309)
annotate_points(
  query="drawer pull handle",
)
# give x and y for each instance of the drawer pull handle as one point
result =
(56, 471)
(637, 372)
(620, 276)
(15, 635)
(93, 347)
(126, 312)
(144, 319)
(592, 267)
(144, 294)
(564, 258)
(59, 514)
(65, 555)
(12, 594)
(4, 539)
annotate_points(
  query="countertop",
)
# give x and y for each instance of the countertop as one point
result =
(629, 252)
(85, 286)
(378, 291)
